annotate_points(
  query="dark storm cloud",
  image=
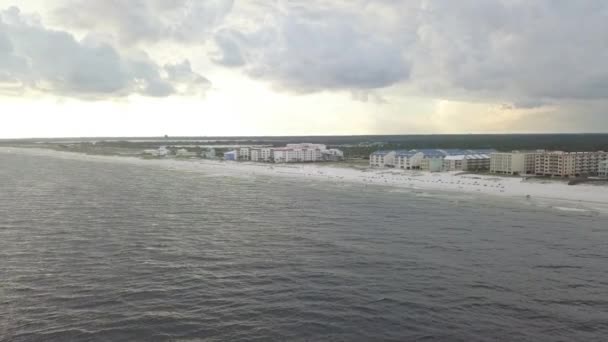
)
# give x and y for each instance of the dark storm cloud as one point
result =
(34, 57)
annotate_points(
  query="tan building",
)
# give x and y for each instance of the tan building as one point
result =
(513, 163)
(568, 164)
(555, 163)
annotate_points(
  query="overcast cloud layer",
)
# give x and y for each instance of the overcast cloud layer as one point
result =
(522, 53)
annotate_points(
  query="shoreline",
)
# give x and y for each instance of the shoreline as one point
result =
(584, 197)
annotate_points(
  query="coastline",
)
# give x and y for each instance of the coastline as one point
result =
(547, 193)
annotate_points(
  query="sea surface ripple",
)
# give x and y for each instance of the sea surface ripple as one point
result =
(108, 251)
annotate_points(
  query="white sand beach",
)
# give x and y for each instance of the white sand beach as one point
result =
(556, 194)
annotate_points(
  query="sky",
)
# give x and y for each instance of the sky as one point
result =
(75, 68)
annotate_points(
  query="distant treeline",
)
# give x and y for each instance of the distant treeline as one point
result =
(362, 146)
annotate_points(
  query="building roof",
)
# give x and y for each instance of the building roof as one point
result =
(406, 153)
(381, 153)
(467, 156)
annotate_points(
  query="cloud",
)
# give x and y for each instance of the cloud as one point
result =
(307, 49)
(186, 80)
(34, 57)
(524, 51)
(229, 53)
(145, 21)
(520, 52)
(526, 54)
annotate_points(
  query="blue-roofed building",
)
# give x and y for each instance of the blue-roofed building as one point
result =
(382, 159)
(408, 160)
(232, 155)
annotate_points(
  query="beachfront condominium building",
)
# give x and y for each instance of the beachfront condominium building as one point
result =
(266, 154)
(244, 153)
(587, 163)
(432, 162)
(304, 153)
(513, 163)
(429, 159)
(602, 169)
(292, 153)
(568, 164)
(555, 164)
(260, 154)
(382, 159)
(466, 162)
(284, 155)
(408, 160)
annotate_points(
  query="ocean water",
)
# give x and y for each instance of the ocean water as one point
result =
(120, 251)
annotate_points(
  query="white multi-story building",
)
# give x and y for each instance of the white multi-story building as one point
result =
(260, 154)
(244, 153)
(382, 159)
(255, 154)
(513, 163)
(429, 159)
(284, 155)
(292, 153)
(265, 154)
(308, 154)
(466, 162)
(408, 160)
(602, 169)
(432, 160)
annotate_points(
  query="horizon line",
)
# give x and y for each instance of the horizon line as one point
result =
(295, 136)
